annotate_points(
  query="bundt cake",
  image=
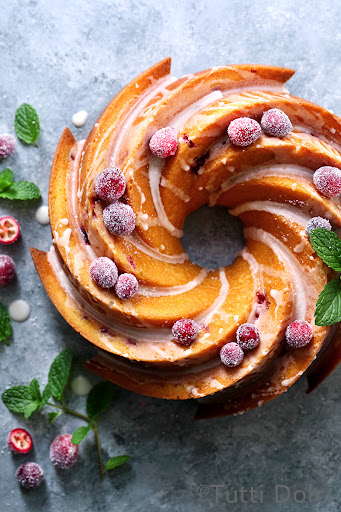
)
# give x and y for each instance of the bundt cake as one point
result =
(234, 337)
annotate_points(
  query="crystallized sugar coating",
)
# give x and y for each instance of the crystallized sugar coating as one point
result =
(63, 453)
(185, 331)
(103, 272)
(248, 336)
(327, 181)
(29, 475)
(126, 286)
(244, 131)
(7, 145)
(119, 219)
(7, 269)
(231, 354)
(276, 123)
(164, 142)
(110, 184)
(317, 222)
(298, 334)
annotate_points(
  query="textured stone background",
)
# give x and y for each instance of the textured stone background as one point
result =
(64, 56)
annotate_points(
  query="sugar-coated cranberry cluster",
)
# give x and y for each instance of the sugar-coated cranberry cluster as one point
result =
(119, 220)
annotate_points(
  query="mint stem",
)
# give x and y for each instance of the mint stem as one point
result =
(94, 428)
(98, 444)
(70, 411)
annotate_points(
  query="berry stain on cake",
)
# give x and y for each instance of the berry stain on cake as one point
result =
(231, 137)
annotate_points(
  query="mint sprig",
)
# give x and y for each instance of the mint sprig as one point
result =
(26, 124)
(5, 325)
(328, 247)
(21, 190)
(28, 399)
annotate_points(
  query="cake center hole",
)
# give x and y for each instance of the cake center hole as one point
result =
(212, 237)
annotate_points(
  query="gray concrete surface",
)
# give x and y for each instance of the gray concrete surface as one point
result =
(65, 56)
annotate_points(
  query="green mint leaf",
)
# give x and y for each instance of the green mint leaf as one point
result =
(17, 398)
(47, 393)
(30, 408)
(26, 124)
(5, 324)
(34, 388)
(328, 306)
(116, 461)
(21, 190)
(328, 247)
(99, 398)
(59, 373)
(6, 178)
(80, 433)
(53, 415)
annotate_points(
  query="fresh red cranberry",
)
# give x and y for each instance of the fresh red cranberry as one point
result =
(119, 219)
(164, 142)
(244, 131)
(327, 181)
(29, 475)
(19, 441)
(298, 334)
(63, 453)
(110, 184)
(7, 269)
(9, 230)
(103, 272)
(7, 145)
(126, 286)
(317, 222)
(248, 336)
(231, 354)
(276, 123)
(185, 331)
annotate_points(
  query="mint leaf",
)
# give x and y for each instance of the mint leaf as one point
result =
(17, 398)
(30, 408)
(99, 398)
(5, 324)
(116, 461)
(47, 393)
(22, 190)
(80, 433)
(328, 247)
(328, 306)
(6, 178)
(53, 415)
(26, 124)
(34, 388)
(59, 373)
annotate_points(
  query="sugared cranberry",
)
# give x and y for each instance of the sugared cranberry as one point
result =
(104, 272)
(244, 131)
(164, 142)
(29, 475)
(327, 180)
(317, 222)
(185, 331)
(7, 269)
(7, 145)
(110, 184)
(119, 219)
(19, 441)
(63, 453)
(276, 123)
(298, 334)
(126, 286)
(231, 354)
(248, 336)
(9, 230)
